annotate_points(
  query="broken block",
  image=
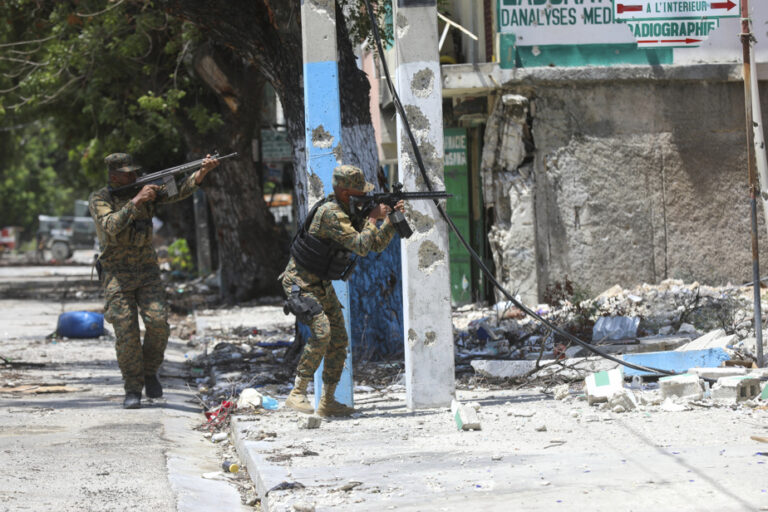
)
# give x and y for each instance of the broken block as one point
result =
(309, 422)
(737, 389)
(683, 386)
(716, 373)
(601, 385)
(764, 394)
(464, 416)
(622, 401)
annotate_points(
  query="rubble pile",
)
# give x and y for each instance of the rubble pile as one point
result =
(668, 316)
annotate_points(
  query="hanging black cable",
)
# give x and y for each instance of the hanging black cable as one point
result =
(475, 256)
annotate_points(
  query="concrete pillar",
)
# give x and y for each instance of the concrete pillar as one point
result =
(428, 332)
(322, 118)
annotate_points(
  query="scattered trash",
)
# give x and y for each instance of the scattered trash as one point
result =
(615, 328)
(562, 392)
(759, 439)
(541, 428)
(249, 398)
(230, 467)
(270, 403)
(80, 324)
(622, 401)
(39, 389)
(219, 416)
(219, 437)
(284, 486)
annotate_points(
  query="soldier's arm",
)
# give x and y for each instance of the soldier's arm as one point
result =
(186, 189)
(383, 236)
(110, 220)
(337, 226)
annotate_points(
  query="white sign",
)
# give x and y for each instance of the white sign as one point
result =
(671, 33)
(547, 22)
(675, 9)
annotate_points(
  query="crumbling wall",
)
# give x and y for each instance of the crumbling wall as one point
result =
(507, 175)
(632, 181)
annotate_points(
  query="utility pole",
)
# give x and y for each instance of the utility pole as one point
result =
(322, 119)
(428, 331)
(746, 41)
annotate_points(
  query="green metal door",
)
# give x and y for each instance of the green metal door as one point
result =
(458, 208)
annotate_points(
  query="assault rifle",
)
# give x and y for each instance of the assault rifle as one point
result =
(362, 205)
(167, 177)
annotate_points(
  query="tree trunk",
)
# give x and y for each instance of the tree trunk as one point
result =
(252, 250)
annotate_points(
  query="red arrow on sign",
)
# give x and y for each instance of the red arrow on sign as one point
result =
(621, 8)
(679, 41)
(723, 5)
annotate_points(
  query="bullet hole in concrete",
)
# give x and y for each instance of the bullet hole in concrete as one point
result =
(402, 26)
(429, 255)
(430, 338)
(423, 83)
(337, 153)
(418, 121)
(420, 222)
(412, 338)
(316, 189)
(321, 138)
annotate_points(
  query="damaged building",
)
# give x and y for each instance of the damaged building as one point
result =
(582, 153)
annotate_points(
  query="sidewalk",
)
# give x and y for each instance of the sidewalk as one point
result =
(533, 453)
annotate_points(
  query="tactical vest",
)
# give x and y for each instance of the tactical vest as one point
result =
(327, 259)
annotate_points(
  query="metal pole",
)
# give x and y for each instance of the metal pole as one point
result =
(746, 41)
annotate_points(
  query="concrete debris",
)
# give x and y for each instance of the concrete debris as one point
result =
(465, 417)
(736, 389)
(670, 405)
(622, 401)
(350, 485)
(602, 385)
(716, 373)
(713, 339)
(562, 392)
(541, 428)
(681, 386)
(309, 422)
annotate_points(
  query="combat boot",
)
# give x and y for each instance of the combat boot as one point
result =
(152, 386)
(132, 401)
(297, 399)
(329, 406)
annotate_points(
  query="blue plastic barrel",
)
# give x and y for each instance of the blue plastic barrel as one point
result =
(80, 324)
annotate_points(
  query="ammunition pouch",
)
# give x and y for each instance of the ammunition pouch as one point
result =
(304, 308)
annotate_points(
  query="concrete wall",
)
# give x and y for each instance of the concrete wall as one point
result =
(638, 176)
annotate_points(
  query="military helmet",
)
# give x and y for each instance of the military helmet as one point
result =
(120, 162)
(349, 176)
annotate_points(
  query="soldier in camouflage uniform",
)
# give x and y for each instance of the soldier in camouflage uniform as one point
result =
(332, 223)
(130, 274)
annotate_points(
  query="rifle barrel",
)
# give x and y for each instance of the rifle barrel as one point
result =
(195, 164)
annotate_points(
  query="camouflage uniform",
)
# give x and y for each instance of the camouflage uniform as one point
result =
(131, 277)
(332, 221)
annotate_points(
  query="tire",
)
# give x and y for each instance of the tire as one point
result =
(60, 251)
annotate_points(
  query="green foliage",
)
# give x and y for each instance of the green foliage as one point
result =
(100, 77)
(359, 24)
(180, 257)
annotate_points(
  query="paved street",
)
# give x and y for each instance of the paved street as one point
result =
(66, 443)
